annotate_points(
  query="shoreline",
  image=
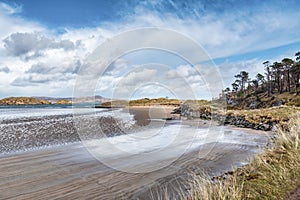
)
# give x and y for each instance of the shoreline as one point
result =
(173, 112)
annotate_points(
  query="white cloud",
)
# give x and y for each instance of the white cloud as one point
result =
(229, 69)
(155, 81)
(34, 44)
(66, 67)
(230, 35)
(5, 70)
(37, 57)
(118, 67)
(10, 9)
(11, 23)
(36, 79)
(138, 77)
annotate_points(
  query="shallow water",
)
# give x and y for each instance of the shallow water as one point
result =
(156, 145)
(24, 128)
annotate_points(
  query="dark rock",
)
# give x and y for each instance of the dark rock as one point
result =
(176, 111)
(232, 102)
(253, 105)
(278, 103)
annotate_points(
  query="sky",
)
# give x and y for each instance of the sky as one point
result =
(44, 45)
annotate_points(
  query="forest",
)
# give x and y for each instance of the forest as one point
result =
(279, 77)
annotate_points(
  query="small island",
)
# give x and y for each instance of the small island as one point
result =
(23, 101)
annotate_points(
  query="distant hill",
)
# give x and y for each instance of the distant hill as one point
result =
(60, 100)
(53, 99)
(50, 100)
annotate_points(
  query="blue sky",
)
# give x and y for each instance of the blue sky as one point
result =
(67, 13)
(45, 43)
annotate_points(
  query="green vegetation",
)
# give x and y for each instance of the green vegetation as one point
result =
(197, 103)
(271, 175)
(141, 102)
(260, 103)
(280, 85)
(159, 101)
(23, 101)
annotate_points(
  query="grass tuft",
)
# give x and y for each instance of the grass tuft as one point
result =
(271, 175)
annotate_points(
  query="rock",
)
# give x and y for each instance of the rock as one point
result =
(266, 127)
(232, 102)
(176, 111)
(253, 105)
(278, 103)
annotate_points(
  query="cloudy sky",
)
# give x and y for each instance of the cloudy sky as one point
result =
(44, 45)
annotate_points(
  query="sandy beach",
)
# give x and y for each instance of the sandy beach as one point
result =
(70, 171)
(142, 114)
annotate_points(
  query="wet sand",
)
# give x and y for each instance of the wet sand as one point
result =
(71, 172)
(142, 114)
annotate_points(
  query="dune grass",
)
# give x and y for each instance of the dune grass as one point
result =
(271, 175)
(278, 115)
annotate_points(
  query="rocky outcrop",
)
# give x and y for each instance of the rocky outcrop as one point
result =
(23, 101)
(241, 122)
(262, 123)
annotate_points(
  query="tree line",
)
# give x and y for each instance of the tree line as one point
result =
(279, 77)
